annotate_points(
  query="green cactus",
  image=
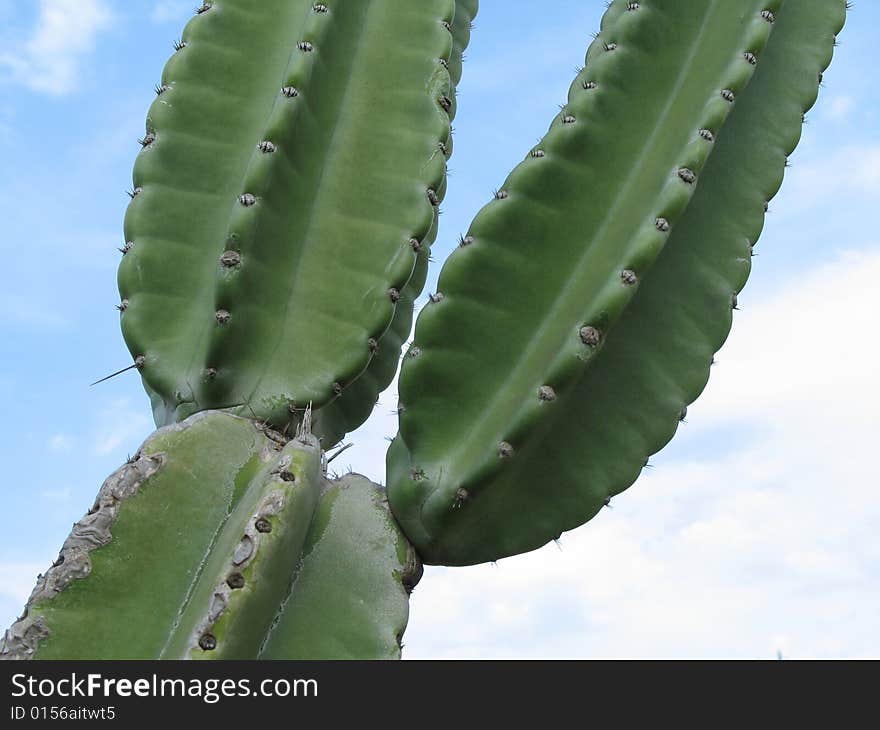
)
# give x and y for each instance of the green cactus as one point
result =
(246, 205)
(599, 317)
(213, 537)
(283, 210)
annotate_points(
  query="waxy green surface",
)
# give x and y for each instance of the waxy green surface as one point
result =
(292, 156)
(350, 598)
(141, 581)
(216, 531)
(355, 404)
(546, 261)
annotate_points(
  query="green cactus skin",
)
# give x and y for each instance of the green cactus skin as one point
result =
(354, 405)
(350, 599)
(476, 476)
(247, 574)
(148, 564)
(465, 12)
(196, 541)
(292, 144)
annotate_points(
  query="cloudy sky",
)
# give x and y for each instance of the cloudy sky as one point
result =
(754, 534)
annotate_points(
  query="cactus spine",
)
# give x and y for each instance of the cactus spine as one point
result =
(282, 214)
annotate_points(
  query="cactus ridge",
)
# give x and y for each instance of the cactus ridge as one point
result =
(547, 271)
(345, 608)
(657, 357)
(246, 574)
(245, 202)
(356, 402)
(213, 517)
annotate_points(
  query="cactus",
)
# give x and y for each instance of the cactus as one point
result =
(316, 155)
(212, 537)
(284, 206)
(573, 331)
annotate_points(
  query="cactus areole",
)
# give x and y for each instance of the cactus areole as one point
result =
(283, 207)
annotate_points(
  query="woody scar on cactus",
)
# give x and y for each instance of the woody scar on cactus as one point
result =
(266, 292)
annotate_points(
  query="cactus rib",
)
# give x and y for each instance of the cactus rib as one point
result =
(246, 200)
(350, 596)
(547, 276)
(357, 401)
(197, 542)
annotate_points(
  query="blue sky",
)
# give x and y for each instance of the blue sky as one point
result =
(755, 532)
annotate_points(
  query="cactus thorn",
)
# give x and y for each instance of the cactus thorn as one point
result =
(339, 451)
(139, 363)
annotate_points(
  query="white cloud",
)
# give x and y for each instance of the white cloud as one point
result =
(48, 61)
(766, 543)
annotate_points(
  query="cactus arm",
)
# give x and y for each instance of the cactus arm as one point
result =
(136, 555)
(216, 532)
(656, 358)
(516, 295)
(247, 574)
(350, 599)
(232, 239)
(357, 401)
(465, 12)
